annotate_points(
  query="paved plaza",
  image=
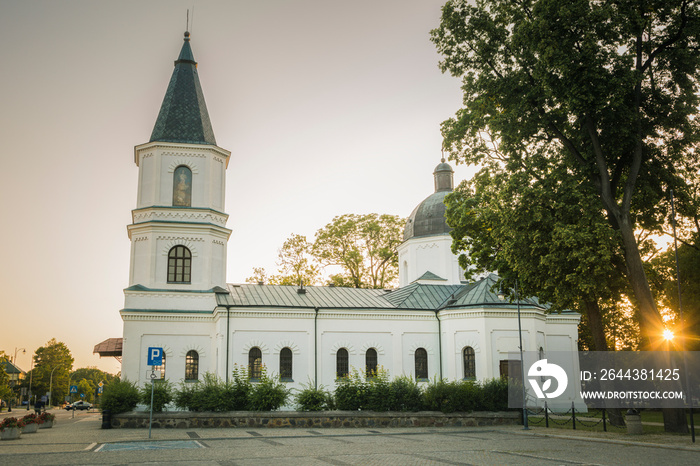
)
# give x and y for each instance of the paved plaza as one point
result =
(79, 440)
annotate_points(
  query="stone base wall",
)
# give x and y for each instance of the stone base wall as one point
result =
(321, 419)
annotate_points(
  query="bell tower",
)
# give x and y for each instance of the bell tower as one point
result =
(178, 232)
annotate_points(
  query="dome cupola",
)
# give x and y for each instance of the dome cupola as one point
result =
(428, 218)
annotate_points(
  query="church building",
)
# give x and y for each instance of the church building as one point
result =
(435, 325)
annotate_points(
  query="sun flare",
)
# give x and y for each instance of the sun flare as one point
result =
(668, 335)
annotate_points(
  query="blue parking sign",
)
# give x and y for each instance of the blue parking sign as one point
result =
(155, 356)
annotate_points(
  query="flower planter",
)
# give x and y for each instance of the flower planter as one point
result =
(46, 425)
(30, 428)
(10, 433)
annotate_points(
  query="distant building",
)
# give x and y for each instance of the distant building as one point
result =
(433, 325)
(16, 374)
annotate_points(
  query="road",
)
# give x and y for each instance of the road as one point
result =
(80, 440)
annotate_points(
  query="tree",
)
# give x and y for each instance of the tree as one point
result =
(87, 379)
(296, 265)
(530, 225)
(364, 246)
(53, 357)
(689, 264)
(607, 90)
(5, 390)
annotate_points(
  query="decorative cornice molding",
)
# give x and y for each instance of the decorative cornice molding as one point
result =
(421, 344)
(179, 215)
(464, 342)
(343, 344)
(279, 346)
(180, 160)
(187, 348)
(372, 344)
(141, 317)
(171, 242)
(252, 344)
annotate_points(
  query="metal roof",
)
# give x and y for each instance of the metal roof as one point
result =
(480, 294)
(430, 276)
(246, 295)
(109, 347)
(183, 115)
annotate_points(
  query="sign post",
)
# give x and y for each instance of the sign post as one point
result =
(155, 358)
(73, 390)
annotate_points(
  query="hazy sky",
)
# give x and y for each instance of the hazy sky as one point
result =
(328, 107)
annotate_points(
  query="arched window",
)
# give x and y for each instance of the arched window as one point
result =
(254, 363)
(182, 186)
(286, 364)
(161, 368)
(192, 365)
(371, 362)
(342, 367)
(421, 358)
(179, 265)
(469, 363)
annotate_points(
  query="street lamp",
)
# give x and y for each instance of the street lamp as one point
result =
(51, 384)
(24, 350)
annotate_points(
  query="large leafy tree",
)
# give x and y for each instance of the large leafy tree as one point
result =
(607, 89)
(364, 246)
(52, 358)
(544, 231)
(296, 265)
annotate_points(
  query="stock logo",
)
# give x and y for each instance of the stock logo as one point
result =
(546, 372)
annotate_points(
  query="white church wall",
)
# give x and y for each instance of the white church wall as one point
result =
(428, 254)
(177, 335)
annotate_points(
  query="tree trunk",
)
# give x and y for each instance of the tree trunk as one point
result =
(595, 323)
(600, 343)
(675, 421)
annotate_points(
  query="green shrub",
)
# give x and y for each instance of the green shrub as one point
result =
(268, 393)
(406, 395)
(120, 396)
(162, 394)
(211, 394)
(379, 396)
(439, 396)
(237, 394)
(494, 395)
(313, 399)
(351, 392)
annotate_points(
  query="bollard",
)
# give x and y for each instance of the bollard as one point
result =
(106, 419)
(634, 422)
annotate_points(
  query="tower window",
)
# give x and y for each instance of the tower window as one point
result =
(421, 358)
(179, 265)
(254, 363)
(469, 363)
(182, 186)
(286, 364)
(192, 365)
(342, 367)
(371, 362)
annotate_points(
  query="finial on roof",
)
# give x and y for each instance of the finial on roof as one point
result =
(187, 35)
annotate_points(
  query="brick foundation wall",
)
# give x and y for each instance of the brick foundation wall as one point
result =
(321, 419)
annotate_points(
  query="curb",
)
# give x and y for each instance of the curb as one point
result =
(604, 440)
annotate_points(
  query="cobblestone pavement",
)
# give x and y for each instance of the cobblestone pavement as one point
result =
(80, 440)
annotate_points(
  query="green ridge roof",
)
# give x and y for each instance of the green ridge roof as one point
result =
(183, 115)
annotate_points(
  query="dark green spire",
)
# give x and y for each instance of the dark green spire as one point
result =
(183, 116)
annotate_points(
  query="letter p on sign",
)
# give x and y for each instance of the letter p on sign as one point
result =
(155, 356)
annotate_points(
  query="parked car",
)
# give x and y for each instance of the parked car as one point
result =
(78, 405)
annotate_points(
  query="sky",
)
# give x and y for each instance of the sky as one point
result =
(328, 107)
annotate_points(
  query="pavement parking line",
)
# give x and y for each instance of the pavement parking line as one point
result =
(525, 455)
(100, 447)
(91, 446)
